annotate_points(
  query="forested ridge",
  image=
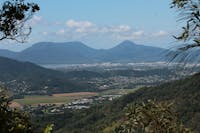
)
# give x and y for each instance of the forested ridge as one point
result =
(185, 94)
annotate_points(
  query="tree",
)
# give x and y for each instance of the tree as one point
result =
(13, 15)
(189, 11)
(151, 117)
(12, 120)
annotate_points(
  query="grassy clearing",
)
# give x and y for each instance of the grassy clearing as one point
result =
(54, 99)
(76, 94)
(68, 97)
(34, 100)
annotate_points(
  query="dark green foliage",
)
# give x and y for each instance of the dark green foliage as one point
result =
(13, 15)
(16, 121)
(151, 117)
(49, 128)
(12, 120)
(37, 77)
(185, 94)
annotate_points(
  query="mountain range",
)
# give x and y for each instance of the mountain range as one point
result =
(79, 53)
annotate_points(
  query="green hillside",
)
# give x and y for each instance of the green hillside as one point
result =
(101, 118)
(35, 79)
(25, 78)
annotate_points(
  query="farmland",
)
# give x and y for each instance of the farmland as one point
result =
(64, 98)
(54, 99)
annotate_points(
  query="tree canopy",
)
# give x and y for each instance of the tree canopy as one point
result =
(13, 15)
(12, 120)
(151, 117)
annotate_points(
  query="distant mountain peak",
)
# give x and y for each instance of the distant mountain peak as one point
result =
(128, 42)
(77, 52)
(59, 43)
(125, 44)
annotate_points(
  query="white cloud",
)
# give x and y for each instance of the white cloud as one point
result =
(138, 33)
(131, 35)
(160, 33)
(89, 27)
(86, 30)
(45, 33)
(58, 23)
(79, 24)
(35, 20)
(60, 32)
(120, 28)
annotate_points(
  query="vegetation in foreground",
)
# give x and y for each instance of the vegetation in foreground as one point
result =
(151, 117)
(185, 94)
(13, 120)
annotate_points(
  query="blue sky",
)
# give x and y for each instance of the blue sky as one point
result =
(102, 23)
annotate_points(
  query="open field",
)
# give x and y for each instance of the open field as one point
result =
(63, 98)
(77, 94)
(54, 99)
(34, 100)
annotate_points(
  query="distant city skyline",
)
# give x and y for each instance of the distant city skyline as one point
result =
(102, 24)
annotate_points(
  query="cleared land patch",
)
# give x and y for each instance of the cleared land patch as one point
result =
(54, 99)
(15, 105)
(63, 98)
(76, 94)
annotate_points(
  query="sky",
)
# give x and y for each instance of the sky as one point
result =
(102, 24)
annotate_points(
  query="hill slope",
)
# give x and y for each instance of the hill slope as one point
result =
(184, 93)
(57, 53)
(7, 53)
(36, 78)
(128, 51)
(78, 53)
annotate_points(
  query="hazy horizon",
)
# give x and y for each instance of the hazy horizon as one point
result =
(102, 24)
(28, 46)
